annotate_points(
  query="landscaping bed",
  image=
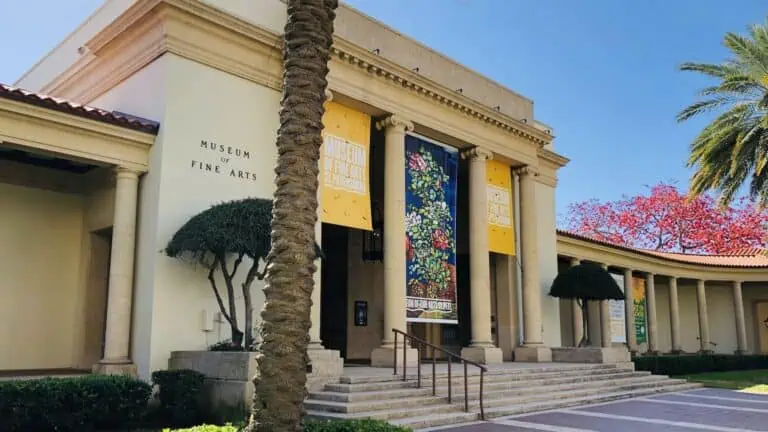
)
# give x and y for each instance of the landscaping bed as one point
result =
(753, 381)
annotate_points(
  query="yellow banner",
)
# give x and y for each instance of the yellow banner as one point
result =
(501, 227)
(345, 196)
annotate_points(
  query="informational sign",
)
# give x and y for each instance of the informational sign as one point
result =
(618, 317)
(430, 226)
(345, 196)
(501, 231)
(638, 295)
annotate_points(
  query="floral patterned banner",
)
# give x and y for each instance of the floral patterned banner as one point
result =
(430, 214)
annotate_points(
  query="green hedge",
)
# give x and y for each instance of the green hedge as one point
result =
(693, 364)
(72, 404)
(315, 426)
(180, 395)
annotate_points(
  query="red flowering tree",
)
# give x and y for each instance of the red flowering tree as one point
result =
(669, 220)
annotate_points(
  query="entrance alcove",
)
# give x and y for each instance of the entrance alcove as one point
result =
(56, 215)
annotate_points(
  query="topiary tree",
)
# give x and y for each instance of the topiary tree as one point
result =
(230, 231)
(584, 282)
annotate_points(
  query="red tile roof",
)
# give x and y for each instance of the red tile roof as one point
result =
(745, 257)
(111, 117)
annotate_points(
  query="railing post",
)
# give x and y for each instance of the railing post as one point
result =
(466, 388)
(482, 410)
(450, 393)
(394, 356)
(434, 375)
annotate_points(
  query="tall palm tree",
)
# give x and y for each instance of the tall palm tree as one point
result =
(280, 383)
(733, 147)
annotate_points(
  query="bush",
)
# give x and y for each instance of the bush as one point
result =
(351, 426)
(205, 428)
(693, 364)
(73, 404)
(180, 394)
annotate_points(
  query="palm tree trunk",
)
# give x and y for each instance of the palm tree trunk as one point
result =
(280, 384)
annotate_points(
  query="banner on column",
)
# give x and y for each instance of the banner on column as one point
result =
(501, 231)
(638, 296)
(430, 224)
(345, 197)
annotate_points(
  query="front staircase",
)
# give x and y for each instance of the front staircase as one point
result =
(507, 391)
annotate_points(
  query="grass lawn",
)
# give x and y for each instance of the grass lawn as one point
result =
(751, 381)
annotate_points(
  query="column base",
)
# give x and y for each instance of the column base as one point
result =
(613, 355)
(741, 352)
(483, 355)
(106, 367)
(383, 357)
(327, 366)
(536, 354)
(677, 352)
(705, 352)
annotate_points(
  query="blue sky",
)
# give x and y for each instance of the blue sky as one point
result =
(602, 73)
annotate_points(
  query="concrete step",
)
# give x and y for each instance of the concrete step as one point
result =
(519, 386)
(491, 398)
(536, 378)
(458, 371)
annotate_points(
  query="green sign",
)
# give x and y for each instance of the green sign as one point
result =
(641, 330)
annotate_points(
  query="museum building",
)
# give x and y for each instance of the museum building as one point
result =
(437, 211)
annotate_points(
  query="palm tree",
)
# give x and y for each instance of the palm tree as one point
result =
(733, 146)
(280, 384)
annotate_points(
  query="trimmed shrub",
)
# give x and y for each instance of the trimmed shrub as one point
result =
(206, 428)
(73, 404)
(351, 426)
(180, 394)
(693, 364)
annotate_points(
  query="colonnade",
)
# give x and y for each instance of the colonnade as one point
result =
(705, 342)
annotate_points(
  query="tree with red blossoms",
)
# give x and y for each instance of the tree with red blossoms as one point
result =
(669, 220)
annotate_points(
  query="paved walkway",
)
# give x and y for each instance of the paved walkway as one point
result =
(696, 410)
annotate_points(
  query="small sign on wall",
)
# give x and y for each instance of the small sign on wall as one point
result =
(361, 313)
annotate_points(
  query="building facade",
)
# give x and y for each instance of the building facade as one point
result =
(189, 93)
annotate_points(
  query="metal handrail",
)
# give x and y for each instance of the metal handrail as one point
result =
(450, 356)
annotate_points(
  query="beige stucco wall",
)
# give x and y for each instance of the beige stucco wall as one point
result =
(752, 293)
(193, 103)
(366, 283)
(40, 234)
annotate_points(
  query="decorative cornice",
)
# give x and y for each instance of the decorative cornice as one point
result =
(552, 157)
(395, 122)
(393, 72)
(477, 154)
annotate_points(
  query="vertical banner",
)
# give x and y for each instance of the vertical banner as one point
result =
(638, 296)
(345, 196)
(430, 224)
(501, 231)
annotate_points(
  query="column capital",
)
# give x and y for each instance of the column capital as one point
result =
(672, 277)
(628, 271)
(527, 170)
(396, 122)
(328, 94)
(477, 154)
(737, 283)
(575, 261)
(701, 281)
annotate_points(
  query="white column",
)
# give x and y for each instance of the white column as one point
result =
(577, 313)
(116, 358)
(533, 348)
(650, 300)
(605, 320)
(738, 308)
(701, 301)
(481, 347)
(674, 315)
(629, 311)
(395, 128)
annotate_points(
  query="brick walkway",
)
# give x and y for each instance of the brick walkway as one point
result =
(697, 410)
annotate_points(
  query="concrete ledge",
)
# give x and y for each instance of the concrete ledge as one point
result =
(483, 355)
(609, 355)
(228, 374)
(534, 354)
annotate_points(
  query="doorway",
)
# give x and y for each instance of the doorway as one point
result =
(761, 318)
(333, 276)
